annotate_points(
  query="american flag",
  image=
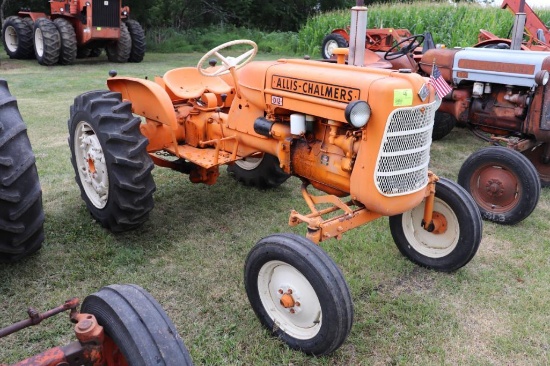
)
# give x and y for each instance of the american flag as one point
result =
(440, 85)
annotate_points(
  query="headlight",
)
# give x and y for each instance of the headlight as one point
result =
(541, 78)
(358, 113)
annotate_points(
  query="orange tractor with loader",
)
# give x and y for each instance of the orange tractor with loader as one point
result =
(359, 135)
(74, 29)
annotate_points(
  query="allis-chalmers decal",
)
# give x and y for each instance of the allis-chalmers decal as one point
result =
(326, 91)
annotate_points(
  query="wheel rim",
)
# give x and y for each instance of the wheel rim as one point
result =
(39, 42)
(330, 46)
(112, 356)
(438, 243)
(535, 157)
(289, 300)
(11, 38)
(250, 162)
(495, 189)
(91, 164)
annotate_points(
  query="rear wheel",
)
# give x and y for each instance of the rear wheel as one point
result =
(456, 235)
(535, 156)
(503, 182)
(17, 36)
(109, 156)
(299, 293)
(261, 171)
(67, 53)
(47, 42)
(443, 125)
(330, 42)
(119, 51)
(138, 331)
(138, 41)
(21, 213)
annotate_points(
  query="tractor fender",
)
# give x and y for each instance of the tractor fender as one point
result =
(148, 99)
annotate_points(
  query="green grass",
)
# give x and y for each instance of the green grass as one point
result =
(190, 256)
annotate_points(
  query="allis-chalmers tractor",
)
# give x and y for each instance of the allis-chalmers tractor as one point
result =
(349, 131)
(118, 325)
(74, 29)
(21, 213)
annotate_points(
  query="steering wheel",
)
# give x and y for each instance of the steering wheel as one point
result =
(228, 62)
(397, 51)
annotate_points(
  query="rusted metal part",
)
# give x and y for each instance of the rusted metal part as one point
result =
(73, 354)
(494, 189)
(35, 317)
(540, 158)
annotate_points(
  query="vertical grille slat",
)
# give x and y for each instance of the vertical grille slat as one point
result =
(402, 165)
(106, 13)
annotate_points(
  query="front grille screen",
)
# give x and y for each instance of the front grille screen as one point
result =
(106, 13)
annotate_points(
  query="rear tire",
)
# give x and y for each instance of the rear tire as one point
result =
(119, 51)
(17, 37)
(317, 314)
(109, 156)
(142, 332)
(67, 53)
(455, 240)
(47, 42)
(443, 125)
(21, 213)
(261, 172)
(503, 182)
(138, 41)
(330, 42)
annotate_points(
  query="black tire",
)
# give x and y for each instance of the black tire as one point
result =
(138, 41)
(95, 52)
(109, 156)
(320, 315)
(30, 23)
(443, 125)
(453, 243)
(503, 182)
(330, 42)
(47, 42)
(67, 53)
(83, 52)
(17, 37)
(119, 51)
(261, 172)
(21, 213)
(138, 326)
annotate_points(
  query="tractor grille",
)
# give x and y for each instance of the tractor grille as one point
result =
(106, 13)
(402, 165)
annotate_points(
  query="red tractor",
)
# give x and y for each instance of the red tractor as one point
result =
(74, 29)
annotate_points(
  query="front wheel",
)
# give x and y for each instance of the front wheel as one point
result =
(456, 235)
(443, 125)
(109, 156)
(503, 182)
(299, 293)
(47, 42)
(138, 331)
(261, 171)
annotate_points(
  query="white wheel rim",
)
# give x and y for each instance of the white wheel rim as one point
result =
(249, 163)
(39, 42)
(11, 38)
(91, 165)
(430, 244)
(330, 46)
(304, 319)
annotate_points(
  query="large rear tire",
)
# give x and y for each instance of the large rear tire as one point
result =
(138, 41)
(261, 171)
(47, 42)
(299, 293)
(142, 333)
(119, 51)
(503, 182)
(67, 53)
(109, 156)
(17, 36)
(21, 213)
(535, 156)
(456, 235)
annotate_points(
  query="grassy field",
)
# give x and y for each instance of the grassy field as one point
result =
(190, 257)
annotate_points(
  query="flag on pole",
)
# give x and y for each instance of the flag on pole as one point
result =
(437, 81)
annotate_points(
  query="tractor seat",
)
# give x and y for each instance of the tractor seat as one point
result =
(188, 83)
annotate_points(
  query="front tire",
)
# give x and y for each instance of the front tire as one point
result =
(258, 171)
(299, 293)
(457, 234)
(141, 331)
(21, 213)
(503, 182)
(119, 51)
(67, 53)
(443, 125)
(109, 156)
(17, 36)
(138, 41)
(330, 42)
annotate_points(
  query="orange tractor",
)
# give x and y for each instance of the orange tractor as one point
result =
(74, 29)
(349, 131)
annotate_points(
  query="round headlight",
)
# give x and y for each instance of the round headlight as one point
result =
(541, 77)
(358, 113)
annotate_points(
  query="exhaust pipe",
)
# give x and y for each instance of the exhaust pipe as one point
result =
(358, 30)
